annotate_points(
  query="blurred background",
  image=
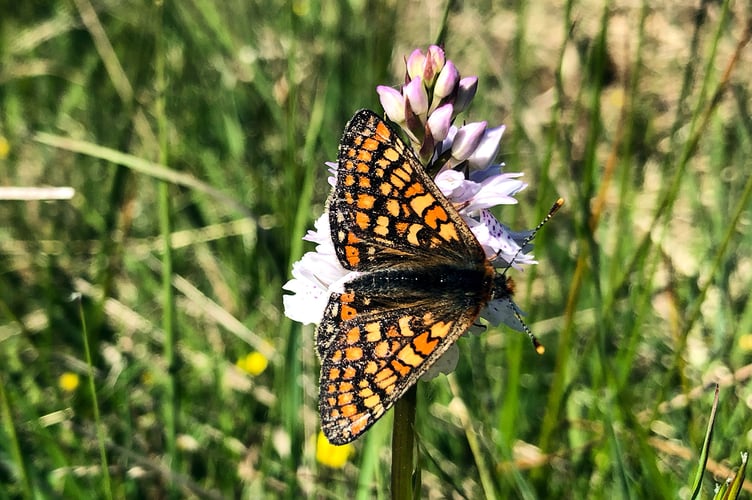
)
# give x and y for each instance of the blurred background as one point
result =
(194, 136)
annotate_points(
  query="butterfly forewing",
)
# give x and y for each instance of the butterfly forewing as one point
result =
(385, 212)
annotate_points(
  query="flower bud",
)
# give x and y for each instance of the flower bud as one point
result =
(465, 93)
(415, 63)
(392, 102)
(439, 122)
(434, 62)
(467, 140)
(486, 150)
(415, 95)
(446, 81)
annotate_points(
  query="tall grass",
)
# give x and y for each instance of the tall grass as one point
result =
(195, 135)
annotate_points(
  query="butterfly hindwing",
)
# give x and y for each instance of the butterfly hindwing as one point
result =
(381, 341)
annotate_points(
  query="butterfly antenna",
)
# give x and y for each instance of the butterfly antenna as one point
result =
(539, 348)
(555, 208)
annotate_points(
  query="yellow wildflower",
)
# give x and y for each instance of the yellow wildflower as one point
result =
(254, 363)
(68, 381)
(4, 147)
(331, 455)
(745, 342)
(301, 7)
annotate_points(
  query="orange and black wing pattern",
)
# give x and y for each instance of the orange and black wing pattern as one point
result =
(385, 212)
(383, 333)
(424, 279)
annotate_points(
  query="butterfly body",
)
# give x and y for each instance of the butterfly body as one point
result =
(456, 283)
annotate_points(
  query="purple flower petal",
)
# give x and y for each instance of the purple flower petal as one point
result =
(446, 81)
(467, 140)
(488, 147)
(393, 103)
(415, 94)
(439, 122)
(415, 63)
(468, 86)
(456, 188)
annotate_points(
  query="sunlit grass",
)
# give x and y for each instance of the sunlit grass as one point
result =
(637, 116)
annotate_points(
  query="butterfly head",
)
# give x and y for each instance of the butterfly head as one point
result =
(503, 287)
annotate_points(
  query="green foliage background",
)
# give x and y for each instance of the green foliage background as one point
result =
(203, 127)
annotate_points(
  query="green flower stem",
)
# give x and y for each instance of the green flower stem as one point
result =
(403, 445)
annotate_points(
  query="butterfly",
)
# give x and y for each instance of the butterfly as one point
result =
(422, 279)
